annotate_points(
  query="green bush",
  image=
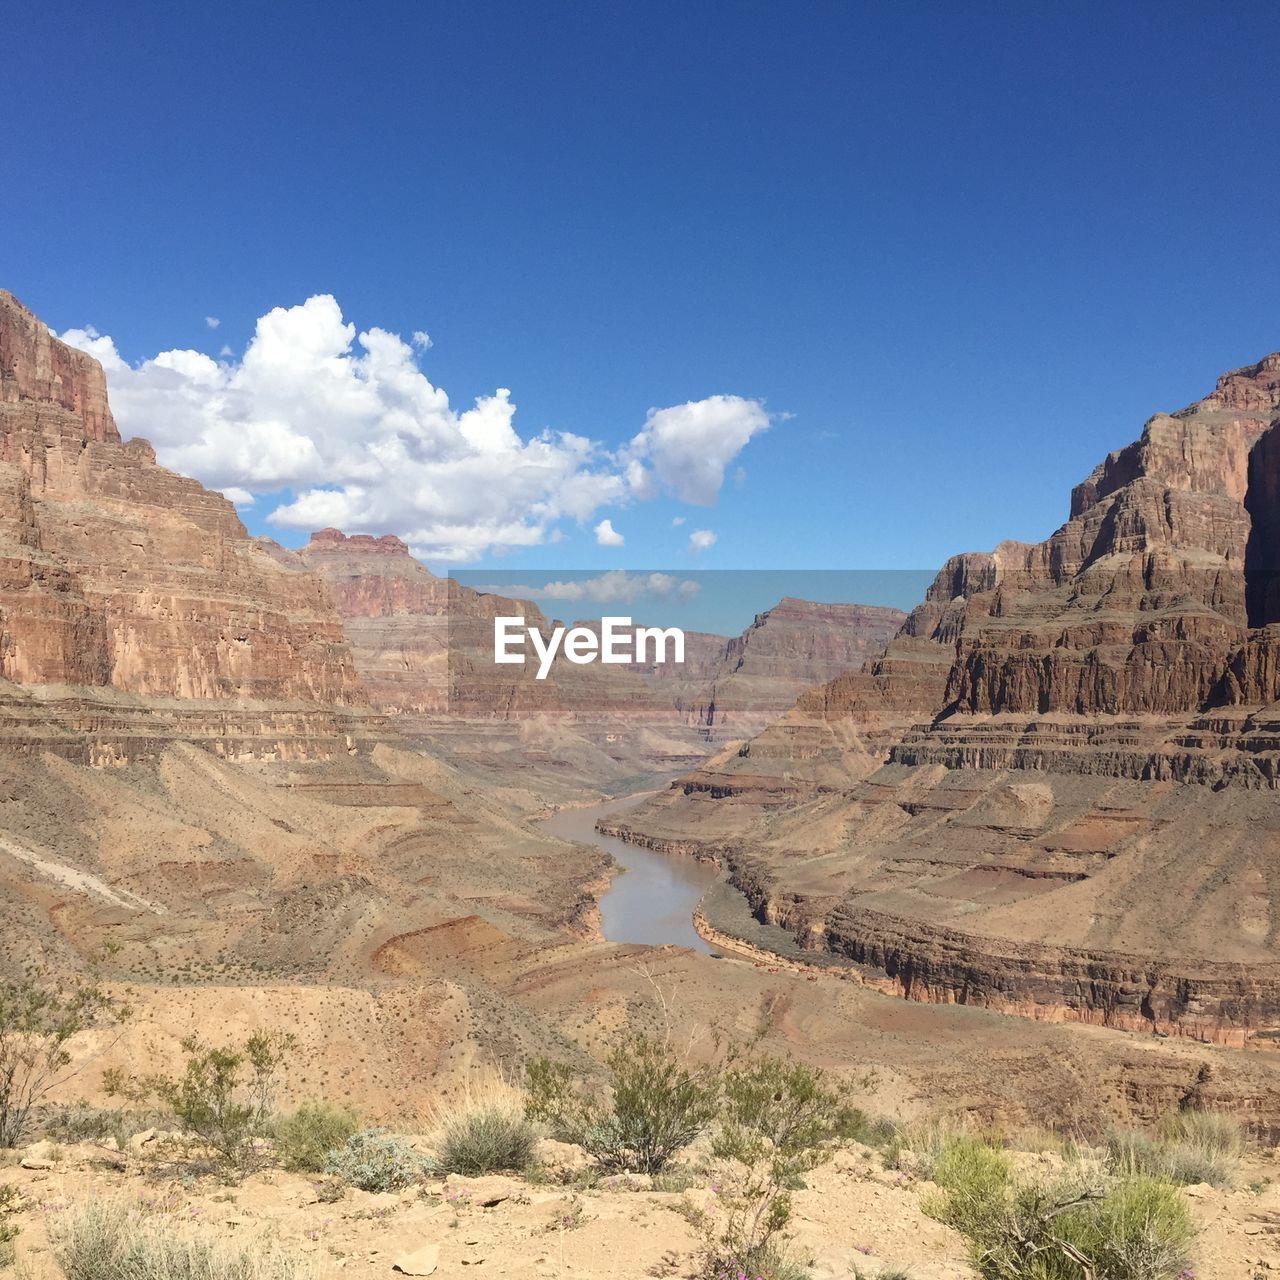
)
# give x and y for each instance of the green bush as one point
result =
(305, 1137)
(37, 1020)
(488, 1138)
(778, 1119)
(106, 1240)
(224, 1097)
(975, 1181)
(656, 1106)
(375, 1160)
(1137, 1228)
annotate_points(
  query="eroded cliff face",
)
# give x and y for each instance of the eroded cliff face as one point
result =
(423, 644)
(1053, 793)
(118, 575)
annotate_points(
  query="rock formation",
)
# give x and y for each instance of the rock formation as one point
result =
(132, 585)
(1053, 793)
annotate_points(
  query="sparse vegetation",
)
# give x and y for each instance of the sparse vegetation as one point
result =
(224, 1098)
(486, 1141)
(1078, 1227)
(655, 1106)
(107, 1240)
(305, 1138)
(37, 1020)
(778, 1120)
(1190, 1147)
(9, 1200)
(375, 1160)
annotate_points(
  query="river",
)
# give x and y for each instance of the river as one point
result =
(653, 900)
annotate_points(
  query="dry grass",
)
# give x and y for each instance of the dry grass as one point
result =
(111, 1240)
(483, 1129)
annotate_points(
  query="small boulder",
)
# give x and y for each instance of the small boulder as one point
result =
(562, 1160)
(421, 1262)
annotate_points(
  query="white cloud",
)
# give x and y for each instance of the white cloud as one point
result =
(102, 348)
(241, 497)
(616, 586)
(607, 535)
(677, 521)
(689, 445)
(212, 321)
(701, 539)
(348, 422)
(422, 339)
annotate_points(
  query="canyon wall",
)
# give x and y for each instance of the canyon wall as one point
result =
(125, 587)
(1053, 793)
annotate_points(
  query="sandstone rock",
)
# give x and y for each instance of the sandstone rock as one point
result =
(484, 1192)
(421, 1262)
(1053, 792)
(118, 577)
(562, 1159)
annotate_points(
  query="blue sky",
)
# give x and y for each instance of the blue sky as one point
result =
(957, 252)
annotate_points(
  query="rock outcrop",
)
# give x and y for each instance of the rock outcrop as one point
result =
(126, 581)
(1053, 793)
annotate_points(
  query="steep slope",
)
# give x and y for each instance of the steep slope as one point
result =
(1054, 792)
(125, 588)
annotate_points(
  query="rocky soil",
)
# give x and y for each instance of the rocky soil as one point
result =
(854, 1217)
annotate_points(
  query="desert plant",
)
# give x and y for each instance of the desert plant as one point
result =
(9, 1200)
(37, 1020)
(777, 1119)
(560, 1101)
(224, 1097)
(305, 1137)
(1073, 1229)
(487, 1140)
(375, 1160)
(656, 1106)
(107, 1240)
(1190, 1147)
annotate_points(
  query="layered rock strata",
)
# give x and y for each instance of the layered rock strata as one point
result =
(1053, 793)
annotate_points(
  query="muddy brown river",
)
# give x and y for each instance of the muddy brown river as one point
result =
(653, 899)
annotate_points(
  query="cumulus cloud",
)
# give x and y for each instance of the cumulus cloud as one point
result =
(354, 429)
(701, 540)
(212, 321)
(616, 586)
(241, 497)
(607, 535)
(690, 445)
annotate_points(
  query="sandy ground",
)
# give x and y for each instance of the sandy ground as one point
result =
(853, 1214)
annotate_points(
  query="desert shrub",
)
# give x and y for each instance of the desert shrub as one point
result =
(655, 1107)
(488, 1140)
(305, 1137)
(778, 1119)
(560, 1101)
(375, 1160)
(107, 1240)
(1134, 1229)
(80, 1122)
(37, 1020)
(9, 1199)
(486, 1131)
(224, 1097)
(1190, 1147)
(975, 1181)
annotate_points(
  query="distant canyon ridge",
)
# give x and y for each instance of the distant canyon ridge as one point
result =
(1049, 790)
